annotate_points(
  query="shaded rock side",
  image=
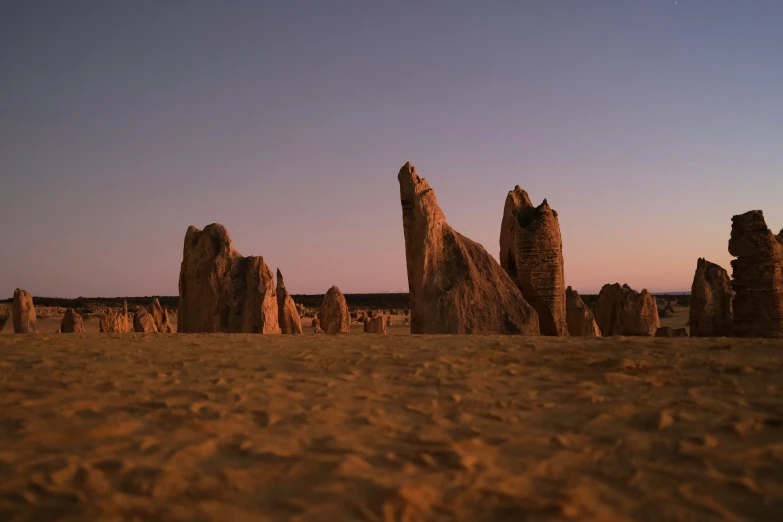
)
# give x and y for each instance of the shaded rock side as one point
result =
(114, 321)
(72, 322)
(531, 252)
(455, 286)
(711, 312)
(580, 319)
(23, 312)
(222, 291)
(334, 317)
(5, 315)
(620, 310)
(165, 325)
(757, 277)
(287, 314)
(376, 325)
(156, 311)
(143, 322)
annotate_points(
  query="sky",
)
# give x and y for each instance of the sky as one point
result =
(646, 124)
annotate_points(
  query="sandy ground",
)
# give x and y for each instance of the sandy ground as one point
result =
(383, 428)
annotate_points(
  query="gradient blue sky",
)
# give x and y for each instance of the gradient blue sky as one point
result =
(646, 124)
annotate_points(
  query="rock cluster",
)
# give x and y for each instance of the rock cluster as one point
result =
(334, 317)
(376, 325)
(159, 319)
(114, 321)
(72, 322)
(455, 286)
(287, 314)
(620, 310)
(757, 277)
(711, 313)
(580, 319)
(23, 312)
(531, 252)
(222, 291)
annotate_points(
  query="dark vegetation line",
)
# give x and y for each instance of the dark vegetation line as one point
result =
(366, 301)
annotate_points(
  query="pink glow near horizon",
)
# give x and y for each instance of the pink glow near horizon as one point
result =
(645, 125)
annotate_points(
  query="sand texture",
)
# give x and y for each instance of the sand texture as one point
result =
(237, 427)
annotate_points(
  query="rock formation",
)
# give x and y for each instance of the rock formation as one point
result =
(334, 315)
(667, 331)
(455, 286)
(114, 321)
(5, 314)
(143, 322)
(72, 322)
(581, 322)
(287, 315)
(165, 325)
(375, 326)
(156, 312)
(711, 312)
(23, 312)
(757, 277)
(222, 291)
(620, 310)
(531, 252)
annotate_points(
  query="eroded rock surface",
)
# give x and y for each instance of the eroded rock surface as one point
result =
(72, 322)
(581, 322)
(376, 325)
(144, 322)
(5, 314)
(165, 325)
(621, 310)
(334, 317)
(531, 252)
(287, 314)
(711, 313)
(455, 286)
(222, 291)
(114, 321)
(757, 277)
(157, 312)
(23, 312)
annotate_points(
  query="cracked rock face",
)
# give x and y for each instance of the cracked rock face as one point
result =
(531, 252)
(621, 310)
(455, 286)
(581, 322)
(287, 315)
(222, 291)
(757, 277)
(144, 322)
(711, 313)
(334, 317)
(23, 312)
(114, 321)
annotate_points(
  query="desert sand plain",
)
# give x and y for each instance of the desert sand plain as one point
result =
(380, 428)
